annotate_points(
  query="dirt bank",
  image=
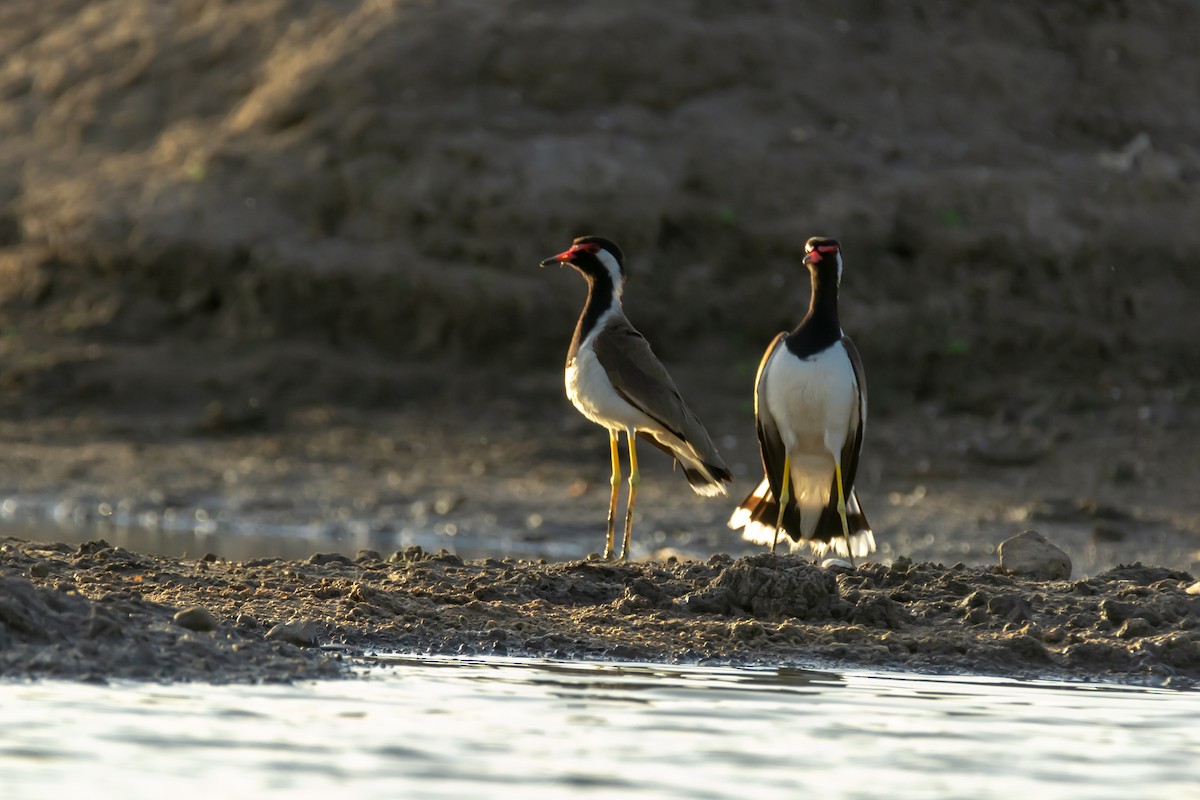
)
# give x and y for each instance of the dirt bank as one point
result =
(1015, 187)
(99, 612)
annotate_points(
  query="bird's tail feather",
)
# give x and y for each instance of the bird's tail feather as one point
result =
(756, 516)
(704, 478)
(710, 481)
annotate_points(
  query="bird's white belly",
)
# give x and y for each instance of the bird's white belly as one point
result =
(590, 391)
(813, 402)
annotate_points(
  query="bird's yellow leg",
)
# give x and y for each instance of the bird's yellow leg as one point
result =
(612, 503)
(837, 470)
(635, 478)
(785, 495)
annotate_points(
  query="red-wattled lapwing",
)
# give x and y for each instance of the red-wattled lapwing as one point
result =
(810, 406)
(616, 381)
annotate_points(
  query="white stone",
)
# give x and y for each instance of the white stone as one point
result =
(1032, 555)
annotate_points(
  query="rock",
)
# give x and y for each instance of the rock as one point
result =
(1032, 555)
(1194, 588)
(196, 618)
(299, 632)
(320, 559)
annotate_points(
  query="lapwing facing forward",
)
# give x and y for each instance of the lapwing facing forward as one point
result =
(616, 381)
(810, 407)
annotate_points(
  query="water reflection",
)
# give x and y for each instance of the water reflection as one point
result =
(441, 727)
(625, 675)
(242, 541)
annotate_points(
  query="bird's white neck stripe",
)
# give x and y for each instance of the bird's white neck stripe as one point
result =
(614, 272)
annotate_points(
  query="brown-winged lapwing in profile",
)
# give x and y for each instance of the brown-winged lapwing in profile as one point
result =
(616, 381)
(810, 407)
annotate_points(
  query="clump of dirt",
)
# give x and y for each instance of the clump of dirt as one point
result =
(97, 612)
(757, 586)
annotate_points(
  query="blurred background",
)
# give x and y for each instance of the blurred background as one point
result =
(270, 265)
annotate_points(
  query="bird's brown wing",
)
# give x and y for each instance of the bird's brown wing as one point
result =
(771, 447)
(640, 378)
(853, 446)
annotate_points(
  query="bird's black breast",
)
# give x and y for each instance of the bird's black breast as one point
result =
(813, 337)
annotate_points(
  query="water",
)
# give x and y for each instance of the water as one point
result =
(443, 728)
(196, 531)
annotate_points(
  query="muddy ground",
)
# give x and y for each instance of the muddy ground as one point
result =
(521, 482)
(268, 288)
(97, 612)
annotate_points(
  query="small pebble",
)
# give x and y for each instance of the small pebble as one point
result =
(298, 632)
(196, 618)
(319, 559)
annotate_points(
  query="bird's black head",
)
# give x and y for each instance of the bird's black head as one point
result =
(594, 256)
(824, 256)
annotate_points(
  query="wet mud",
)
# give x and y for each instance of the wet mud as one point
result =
(97, 612)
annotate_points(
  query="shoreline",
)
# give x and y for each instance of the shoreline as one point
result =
(96, 612)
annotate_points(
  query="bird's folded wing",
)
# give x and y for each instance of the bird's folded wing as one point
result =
(762, 366)
(770, 443)
(853, 446)
(640, 378)
(860, 378)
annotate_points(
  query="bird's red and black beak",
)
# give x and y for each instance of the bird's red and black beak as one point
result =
(562, 258)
